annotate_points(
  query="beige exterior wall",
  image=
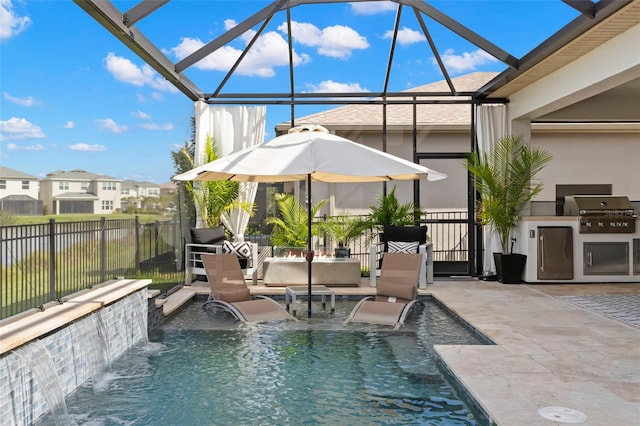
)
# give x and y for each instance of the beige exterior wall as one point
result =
(14, 187)
(578, 158)
(589, 159)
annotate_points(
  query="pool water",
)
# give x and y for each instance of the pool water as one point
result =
(203, 368)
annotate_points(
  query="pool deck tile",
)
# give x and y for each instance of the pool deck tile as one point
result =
(551, 349)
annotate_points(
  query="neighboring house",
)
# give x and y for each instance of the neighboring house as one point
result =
(132, 188)
(134, 193)
(79, 191)
(168, 188)
(19, 192)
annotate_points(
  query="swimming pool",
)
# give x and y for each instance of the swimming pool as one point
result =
(204, 368)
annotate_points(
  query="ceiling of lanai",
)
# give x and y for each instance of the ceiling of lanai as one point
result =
(595, 24)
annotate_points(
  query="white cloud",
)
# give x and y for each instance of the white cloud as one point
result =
(126, 71)
(155, 126)
(330, 86)
(406, 36)
(468, 61)
(29, 101)
(19, 128)
(372, 8)
(107, 124)
(86, 147)
(141, 115)
(11, 24)
(69, 125)
(336, 41)
(268, 52)
(14, 147)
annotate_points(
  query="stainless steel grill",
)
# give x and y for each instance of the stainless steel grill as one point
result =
(602, 214)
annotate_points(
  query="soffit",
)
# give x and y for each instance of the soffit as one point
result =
(624, 19)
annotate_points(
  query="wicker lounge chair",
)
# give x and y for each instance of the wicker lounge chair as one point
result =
(395, 294)
(229, 291)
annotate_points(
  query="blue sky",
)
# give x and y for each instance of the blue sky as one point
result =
(74, 97)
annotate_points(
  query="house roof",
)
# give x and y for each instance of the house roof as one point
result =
(18, 197)
(76, 196)
(77, 175)
(168, 185)
(128, 184)
(400, 116)
(7, 173)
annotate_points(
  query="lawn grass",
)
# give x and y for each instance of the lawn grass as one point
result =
(31, 220)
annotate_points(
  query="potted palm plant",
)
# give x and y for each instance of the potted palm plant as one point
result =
(504, 177)
(290, 227)
(388, 211)
(343, 229)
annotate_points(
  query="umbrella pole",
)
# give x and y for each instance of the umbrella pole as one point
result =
(310, 253)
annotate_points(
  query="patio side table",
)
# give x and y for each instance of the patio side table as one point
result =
(291, 293)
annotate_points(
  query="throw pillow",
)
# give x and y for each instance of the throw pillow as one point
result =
(403, 247)
(242, 249)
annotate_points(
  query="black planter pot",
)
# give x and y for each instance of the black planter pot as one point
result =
(340, 252)
(509, 267)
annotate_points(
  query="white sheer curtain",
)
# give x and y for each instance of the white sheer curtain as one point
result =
(492, 124)
(232, 129)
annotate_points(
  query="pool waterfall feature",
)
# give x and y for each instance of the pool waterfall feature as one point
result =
(45, 356)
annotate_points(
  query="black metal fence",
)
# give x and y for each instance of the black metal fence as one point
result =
(42, 263)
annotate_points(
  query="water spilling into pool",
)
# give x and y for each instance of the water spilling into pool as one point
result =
(204, 368)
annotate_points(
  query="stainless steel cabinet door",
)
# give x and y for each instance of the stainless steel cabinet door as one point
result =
(606, 258)
(555, 253)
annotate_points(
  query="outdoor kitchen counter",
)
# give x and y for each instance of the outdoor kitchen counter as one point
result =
(620, 251)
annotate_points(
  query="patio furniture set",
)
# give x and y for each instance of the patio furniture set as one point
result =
(396, 293)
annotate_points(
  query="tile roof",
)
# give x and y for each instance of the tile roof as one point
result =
(77, 175)
(128, 183)
(6, 172)
(365, 115)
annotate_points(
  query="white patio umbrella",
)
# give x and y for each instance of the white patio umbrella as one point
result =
(310, 153)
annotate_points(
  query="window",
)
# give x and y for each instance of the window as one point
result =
(107, 205)
(3, 184)
(84, 186)
(25, 184)
(109, 186)
(64, 186)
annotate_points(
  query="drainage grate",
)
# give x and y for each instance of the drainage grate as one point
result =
(562, 415)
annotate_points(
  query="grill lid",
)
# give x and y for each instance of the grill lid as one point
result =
(602, 205)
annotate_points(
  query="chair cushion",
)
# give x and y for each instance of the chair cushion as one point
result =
(406, 233)
(231, 294)
(207, 235)
(402, 292)
(402, 247)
